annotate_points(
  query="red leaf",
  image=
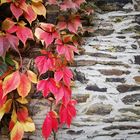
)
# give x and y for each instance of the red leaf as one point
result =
(11, 82)
(66, 49)
(17, 11)
(7, 41)
(30, 15)
(48, 34)
(23, 33)
(67, 112)
(44, 63)
(41, 63)
(47, 86)
(50, 124)
(71, 4)
(22, 114)
(2, 99)
(64, 73)
(63, 93)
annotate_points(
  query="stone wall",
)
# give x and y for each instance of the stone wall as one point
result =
(107, 75)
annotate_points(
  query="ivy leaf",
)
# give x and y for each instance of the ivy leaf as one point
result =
(5, 108)
(39, 8)
(64, 73)
(24, 86)
(47, 86)
(47, 34)
(44, 63)
(28, 126)
(50, 123)
(41, 63)
(32, 76)
(63, 93)
(22, 114)
(72, 24)
(16, 11)
(67, 112)
(17, 132)
(30, 15)
(23, 33)
(11, 82)
(6, 41)
(66, 49)
(2, 99)
(71, 4)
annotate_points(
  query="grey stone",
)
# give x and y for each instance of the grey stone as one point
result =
(137, 19)
(101, 55)
(120, 80)
(127, 88)
(103, 32)
(73, 132)
(80, 76)
(81, 98)
(116, 72)
(129, 99)
(134, 46)
(135, 111)
(95, 88)
(99, 108)
(137, 59)
(121, 127)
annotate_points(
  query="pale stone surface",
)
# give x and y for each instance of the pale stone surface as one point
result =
(108, 95)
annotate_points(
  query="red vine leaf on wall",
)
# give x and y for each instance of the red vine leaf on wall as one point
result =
(67, 112)
(50, 124)
(47, 86)
(66, 49)
(46, 33)
(72, 24)
(64, 73)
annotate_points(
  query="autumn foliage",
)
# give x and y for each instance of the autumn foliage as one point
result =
(59, 42)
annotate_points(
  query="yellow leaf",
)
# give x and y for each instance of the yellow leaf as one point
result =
(28, 126)
(5, 108)
(16, 64)
(2, 112)
(22, 100)
(39, 8)
(14, 116)
(24, 86)
(3, 1)
(36, 1)
(32, 76)
(17, 132)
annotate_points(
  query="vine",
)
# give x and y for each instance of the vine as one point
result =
(25, 23)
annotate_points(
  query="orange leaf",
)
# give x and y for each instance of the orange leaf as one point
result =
(32, 76)
(11, 82)
(39, 8)
(24, 86)
(17, 132)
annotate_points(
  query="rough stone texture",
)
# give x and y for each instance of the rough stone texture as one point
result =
(107, 84)
(100, 109)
